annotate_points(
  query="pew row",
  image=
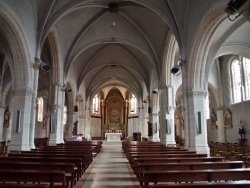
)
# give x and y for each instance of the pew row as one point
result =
(68, 168)
(136, 161)
(76, 161)
(232, 184)
(208, 175)
(34, 176)
(23, 185)
(144, 167)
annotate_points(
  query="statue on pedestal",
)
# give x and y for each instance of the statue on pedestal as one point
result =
(242, 131)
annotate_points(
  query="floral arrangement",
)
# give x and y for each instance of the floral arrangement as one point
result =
(129, 138)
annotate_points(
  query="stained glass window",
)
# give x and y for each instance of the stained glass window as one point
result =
(65, 115)
(246, 66)
(133, 104)
(96, 104)
(40, 109)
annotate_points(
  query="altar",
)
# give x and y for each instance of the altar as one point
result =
(113, 137)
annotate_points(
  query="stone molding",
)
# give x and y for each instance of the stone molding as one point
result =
(168, 86)
(22, 92)
(170, 108)
(3, 106)
(197, 93)
(155, 114)
(220, 108)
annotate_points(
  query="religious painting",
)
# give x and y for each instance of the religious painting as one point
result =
(150, 129)
(213, 118)
(228, 118)
(7, 118)
(44, 122)
(114, 115)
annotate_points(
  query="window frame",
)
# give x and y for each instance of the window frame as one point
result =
(243, 80)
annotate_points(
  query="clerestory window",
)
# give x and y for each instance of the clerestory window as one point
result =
(240, 79)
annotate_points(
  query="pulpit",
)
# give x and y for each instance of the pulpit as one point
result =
(113, 137)
(242, 141)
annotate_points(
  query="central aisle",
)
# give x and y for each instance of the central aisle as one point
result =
(110, 168)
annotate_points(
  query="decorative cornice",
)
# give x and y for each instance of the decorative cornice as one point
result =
(22, 92)
(197, 93)
(155, 114)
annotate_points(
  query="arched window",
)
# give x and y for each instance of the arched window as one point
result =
(133, 104)
(40, 109)
(95, 101)
(240, 75)
(65, 115)
(246, 68)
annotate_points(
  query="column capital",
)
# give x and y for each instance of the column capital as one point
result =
(155, 114)
(170, 108)
(23, 92)
(167, 86)
(220, 108)
(197, 93)
(37, 63)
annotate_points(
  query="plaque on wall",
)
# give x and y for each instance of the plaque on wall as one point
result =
(228, 118)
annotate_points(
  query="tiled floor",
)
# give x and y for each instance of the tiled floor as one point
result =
(109, 169)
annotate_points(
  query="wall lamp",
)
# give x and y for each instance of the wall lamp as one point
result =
(155, 91)
(45, 67)
(234, 6)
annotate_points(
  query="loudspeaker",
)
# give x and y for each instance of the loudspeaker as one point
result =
(45, 67)
(75, 108)
(175, 69)
(149, 110)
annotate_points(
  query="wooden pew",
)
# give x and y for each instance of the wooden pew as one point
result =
(165, 156)
(89, 143)
(232, 184)
(87, 153)
(95, 150)
(32, 176)
(136, 143)
(90, 153)
(76, 161)
(129, 154)
(136, 161)
(195, 175)
(68, 168)
(84, 162)
(23, 185)
(147, 150)
(141, 168)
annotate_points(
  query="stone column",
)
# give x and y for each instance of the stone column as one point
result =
(220, 124)
(197, 121)
(81, 120)
(170, 127)
(2, 111)
(185, 104)
(70, 121)
(126, 119)
(163, 123)
(56, 115)
(150, 123)
(33, 103)
(20, 131)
